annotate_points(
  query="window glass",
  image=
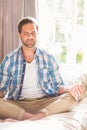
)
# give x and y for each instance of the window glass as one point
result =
(63, 29)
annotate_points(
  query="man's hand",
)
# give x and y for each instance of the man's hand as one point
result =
(76, 91)
(1, 94)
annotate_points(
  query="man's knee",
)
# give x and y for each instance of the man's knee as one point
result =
(68, 100)
(2, 101)
(9, 110)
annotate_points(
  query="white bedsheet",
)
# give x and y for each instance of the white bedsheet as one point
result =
(74, 120)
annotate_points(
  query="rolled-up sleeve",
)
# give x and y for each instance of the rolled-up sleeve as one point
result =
(55, 74)
(4, 74)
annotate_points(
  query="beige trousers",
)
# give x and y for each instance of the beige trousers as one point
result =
(52, 105)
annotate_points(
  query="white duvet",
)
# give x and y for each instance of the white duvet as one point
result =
(74, 120)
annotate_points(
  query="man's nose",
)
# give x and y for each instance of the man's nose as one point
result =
(30, 36)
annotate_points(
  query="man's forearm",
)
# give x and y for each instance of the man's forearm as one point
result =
(62, 90)
(1, 94)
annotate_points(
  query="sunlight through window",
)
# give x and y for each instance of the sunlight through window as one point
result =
(63, 29)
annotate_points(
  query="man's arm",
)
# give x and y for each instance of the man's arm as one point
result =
(5, 77)
(1, 94)
(75, 90)
(63, 89)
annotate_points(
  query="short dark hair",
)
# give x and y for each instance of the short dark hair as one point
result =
(26, 20)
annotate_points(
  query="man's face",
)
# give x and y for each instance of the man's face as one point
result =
(28, 35)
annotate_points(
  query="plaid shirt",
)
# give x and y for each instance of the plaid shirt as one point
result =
(12, 70)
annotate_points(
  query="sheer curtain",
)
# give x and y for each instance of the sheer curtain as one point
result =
(10, 13)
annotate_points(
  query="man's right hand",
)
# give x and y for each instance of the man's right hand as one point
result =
(1, 94)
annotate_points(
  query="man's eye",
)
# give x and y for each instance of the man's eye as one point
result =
(25, 34)
(34, 33)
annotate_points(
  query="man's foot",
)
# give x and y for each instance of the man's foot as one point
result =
(10, 120)
(27, 116)
(1, 120)
(38, 116)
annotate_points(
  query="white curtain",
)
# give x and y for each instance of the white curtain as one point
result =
(10, 13)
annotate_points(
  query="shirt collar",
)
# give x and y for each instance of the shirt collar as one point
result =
(37, 53)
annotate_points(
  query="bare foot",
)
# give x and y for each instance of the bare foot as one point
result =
(1, 120)
(27, 116)
(38, 116)
(10, 120)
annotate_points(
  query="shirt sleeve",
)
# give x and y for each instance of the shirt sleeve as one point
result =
(5, 76)
(55, 74)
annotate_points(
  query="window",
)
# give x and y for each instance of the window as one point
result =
(63, 29)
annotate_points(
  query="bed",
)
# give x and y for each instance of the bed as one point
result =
(73, 120)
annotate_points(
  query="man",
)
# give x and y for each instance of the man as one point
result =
(30, 81)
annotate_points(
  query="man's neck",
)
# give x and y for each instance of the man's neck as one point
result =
(29, 54)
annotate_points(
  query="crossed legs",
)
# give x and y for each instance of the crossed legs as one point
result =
(44, 107)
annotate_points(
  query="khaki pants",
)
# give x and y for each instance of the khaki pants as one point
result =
(52, 105)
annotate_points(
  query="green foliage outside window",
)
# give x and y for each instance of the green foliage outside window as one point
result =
(79, 57)
(63, 54)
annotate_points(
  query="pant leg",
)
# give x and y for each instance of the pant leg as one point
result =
(9, 110)
(49, 105)
(16, 109)
(62, 104)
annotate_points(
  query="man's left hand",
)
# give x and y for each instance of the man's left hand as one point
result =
(76, 91)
